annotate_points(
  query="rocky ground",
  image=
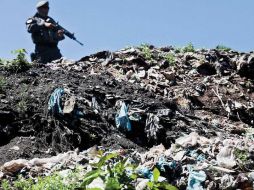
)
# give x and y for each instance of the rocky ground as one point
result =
(198, 104)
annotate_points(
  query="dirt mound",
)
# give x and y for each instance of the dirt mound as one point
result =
(168, 93)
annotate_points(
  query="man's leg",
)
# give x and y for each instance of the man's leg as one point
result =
(55, 54)
(41, 54)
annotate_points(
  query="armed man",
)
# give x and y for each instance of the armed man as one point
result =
(45, 35)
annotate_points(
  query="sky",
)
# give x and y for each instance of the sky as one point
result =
(114, 24)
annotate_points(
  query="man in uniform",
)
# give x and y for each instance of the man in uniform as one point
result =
(45, 35)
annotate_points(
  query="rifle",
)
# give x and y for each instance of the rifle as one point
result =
(69, 34)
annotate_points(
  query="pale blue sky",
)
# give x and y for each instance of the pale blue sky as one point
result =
(114, 24)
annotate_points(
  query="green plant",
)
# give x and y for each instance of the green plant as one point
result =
(2, 83)
(22, 105)
(5, 185)
(188, 48)
(223, 48)
(116, 173)
(53, 182)
(241, 154)
(156, 185)
(170, 57)
(145, 50)
(120, 175)
(19, 63)
(177, 49)
(23, 184)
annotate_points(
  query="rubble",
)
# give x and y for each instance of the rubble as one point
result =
(196, 105)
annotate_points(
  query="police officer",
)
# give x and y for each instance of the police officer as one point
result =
(45, 35)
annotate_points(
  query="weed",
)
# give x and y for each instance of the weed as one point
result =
(22, 105)
(241, 154)
(116, 173)
(170, 58)
(223, 48)
(188, 48)
(17, 64)
(146, 51)
(2, 83)
(178, 50)
(5, 185)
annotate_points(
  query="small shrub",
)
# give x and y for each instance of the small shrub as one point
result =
(241, 154)
(178, 50)
(223, 48)
(116, 173)
(18, 64)
(170, 57)
(2, 84)
(188, 48)
(146, 51)
(5, 185)
(22, 105)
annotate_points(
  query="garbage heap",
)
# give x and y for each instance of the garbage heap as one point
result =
(187, 112)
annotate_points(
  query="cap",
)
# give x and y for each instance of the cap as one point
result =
(42, 3)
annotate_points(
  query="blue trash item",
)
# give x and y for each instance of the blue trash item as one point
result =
(54, 104)
(145, 172)
(122, 119)
(198, 157)
(162, 163)
(195, 179)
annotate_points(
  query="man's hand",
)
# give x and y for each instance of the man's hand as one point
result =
(60, 33)
(49, 25)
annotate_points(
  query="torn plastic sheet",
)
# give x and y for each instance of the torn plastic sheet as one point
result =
(195, 179)
(148, 173)
(135, 117)
(152, 126)
(196, 155)
(95, 105)
(54, 104)
(226, 158)
(162, 163)
(145, 172)
(122, 119)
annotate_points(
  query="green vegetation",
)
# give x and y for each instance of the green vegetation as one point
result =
(2, 83)
(170, 57)
(116, 173)
(18, 64)
(22, 104)
(188, 48)
(146, 51)
(5, 185)
(178, 49)
(241, 154)
(223, 48)
(156, 185)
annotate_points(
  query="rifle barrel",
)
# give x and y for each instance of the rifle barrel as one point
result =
(70, 35)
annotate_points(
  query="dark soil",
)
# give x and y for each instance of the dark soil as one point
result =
(26, 123)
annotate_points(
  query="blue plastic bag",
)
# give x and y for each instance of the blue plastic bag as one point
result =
(54, 104)
(195, 179)
(122, 119)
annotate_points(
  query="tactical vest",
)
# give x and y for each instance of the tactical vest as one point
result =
(44, 35)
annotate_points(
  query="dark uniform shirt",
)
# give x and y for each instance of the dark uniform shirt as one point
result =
(45, 39)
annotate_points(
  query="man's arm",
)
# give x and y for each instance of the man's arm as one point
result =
(59, 33)
(34, 25)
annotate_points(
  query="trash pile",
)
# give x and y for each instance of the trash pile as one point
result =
(189, 113)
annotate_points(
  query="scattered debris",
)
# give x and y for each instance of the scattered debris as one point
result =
(194, 107)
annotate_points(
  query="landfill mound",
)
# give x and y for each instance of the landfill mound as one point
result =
(197, 103)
